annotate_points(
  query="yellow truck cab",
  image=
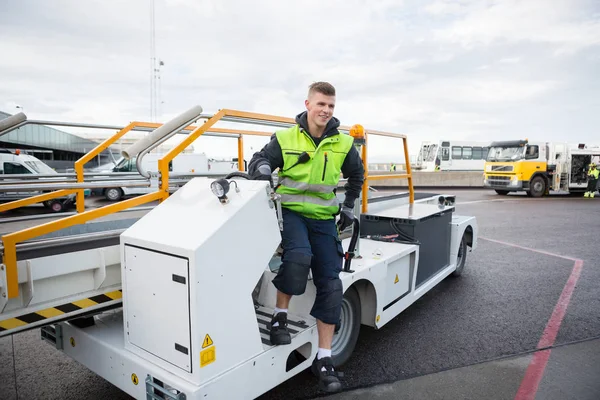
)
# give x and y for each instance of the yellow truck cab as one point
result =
(538, 167)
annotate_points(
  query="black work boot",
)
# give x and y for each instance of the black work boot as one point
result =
(328, 378)
(280, 334)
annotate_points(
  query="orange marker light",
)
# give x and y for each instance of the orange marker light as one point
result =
(357, 131)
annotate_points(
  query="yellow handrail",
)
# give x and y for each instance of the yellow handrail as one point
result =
(368, 178)
(35, 199)
(10, 240)
(99, 149)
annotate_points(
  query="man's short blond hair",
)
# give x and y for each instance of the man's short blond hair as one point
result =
(325, 88)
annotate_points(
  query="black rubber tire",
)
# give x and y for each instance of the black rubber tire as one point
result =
(537, 187)
(350, 304)
(462, 257)
(111, 194)
(502, 192)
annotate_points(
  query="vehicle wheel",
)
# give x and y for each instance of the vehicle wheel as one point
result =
(113, 194)
(502, 192)
(56, 206)
(461, 259)
(344, 340)
(537, 187)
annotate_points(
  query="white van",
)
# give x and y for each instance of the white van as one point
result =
(187, 163)
(14, 163)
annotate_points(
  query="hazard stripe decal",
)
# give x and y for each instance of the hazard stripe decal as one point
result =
(52, 312)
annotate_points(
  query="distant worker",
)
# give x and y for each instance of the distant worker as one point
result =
(310, 156)
(592, 181)
(437, 163)
(393, 167)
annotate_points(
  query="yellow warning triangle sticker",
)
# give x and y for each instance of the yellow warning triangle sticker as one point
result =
(395, 281)
(207, 341)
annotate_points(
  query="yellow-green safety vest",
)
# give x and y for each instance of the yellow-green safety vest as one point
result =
(594, 173)
(308, 188)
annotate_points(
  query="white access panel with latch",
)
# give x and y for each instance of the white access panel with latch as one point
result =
(158, 305)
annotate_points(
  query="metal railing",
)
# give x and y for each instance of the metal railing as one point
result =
(11, 240)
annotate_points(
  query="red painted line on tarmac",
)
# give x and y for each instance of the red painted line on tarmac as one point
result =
(537, 366)
(533, 376)
(549, 335)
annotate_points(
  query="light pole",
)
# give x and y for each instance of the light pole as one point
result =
(22, 109)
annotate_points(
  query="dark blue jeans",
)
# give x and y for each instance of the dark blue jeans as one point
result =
(310, 244)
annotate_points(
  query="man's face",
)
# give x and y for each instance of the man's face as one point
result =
(320, 108)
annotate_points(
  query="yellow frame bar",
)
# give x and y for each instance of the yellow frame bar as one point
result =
(35, 199)
(408, 175)
(99, 149)
(10, 240)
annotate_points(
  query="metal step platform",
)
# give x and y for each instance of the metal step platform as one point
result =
(296, 324)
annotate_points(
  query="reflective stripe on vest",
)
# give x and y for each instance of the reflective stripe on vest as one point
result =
(309, 187)
(305, 198)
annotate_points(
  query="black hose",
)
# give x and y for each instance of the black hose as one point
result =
(238, 174)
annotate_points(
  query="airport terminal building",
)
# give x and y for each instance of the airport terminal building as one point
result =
(58, 149)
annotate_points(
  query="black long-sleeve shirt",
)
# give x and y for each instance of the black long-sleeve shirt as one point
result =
(352, 167)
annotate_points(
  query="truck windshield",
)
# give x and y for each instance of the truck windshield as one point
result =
(428, 152)
(505, 153)
(40, 167)
(125, 165)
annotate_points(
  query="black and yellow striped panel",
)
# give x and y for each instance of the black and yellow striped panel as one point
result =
(62, 309)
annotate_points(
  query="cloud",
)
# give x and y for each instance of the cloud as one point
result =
(563, 23)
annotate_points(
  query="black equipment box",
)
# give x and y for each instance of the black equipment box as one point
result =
(427, 225)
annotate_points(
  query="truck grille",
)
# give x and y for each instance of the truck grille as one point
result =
(499, 180)
(506, 168)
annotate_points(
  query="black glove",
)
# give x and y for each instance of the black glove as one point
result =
(262, 173)
(346, 218)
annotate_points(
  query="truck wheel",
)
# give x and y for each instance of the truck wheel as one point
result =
(461, 259)
(502, 192)
(56, 206)
(344, 340)
(537, 187)
(113, 194)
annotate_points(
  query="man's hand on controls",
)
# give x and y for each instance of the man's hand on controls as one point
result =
(346, 218)
(262, 173)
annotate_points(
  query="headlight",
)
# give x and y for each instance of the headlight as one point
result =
(220, 188)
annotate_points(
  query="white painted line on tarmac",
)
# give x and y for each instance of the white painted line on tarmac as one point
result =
(483, 201)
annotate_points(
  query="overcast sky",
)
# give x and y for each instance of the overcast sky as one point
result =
(473, 70)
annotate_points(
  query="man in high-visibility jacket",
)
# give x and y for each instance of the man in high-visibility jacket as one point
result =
(310, 157)
(592, 181)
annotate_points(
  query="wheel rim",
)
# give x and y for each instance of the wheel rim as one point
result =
(342, 338)
(113, 194)
(56, 207)
(538, 186)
